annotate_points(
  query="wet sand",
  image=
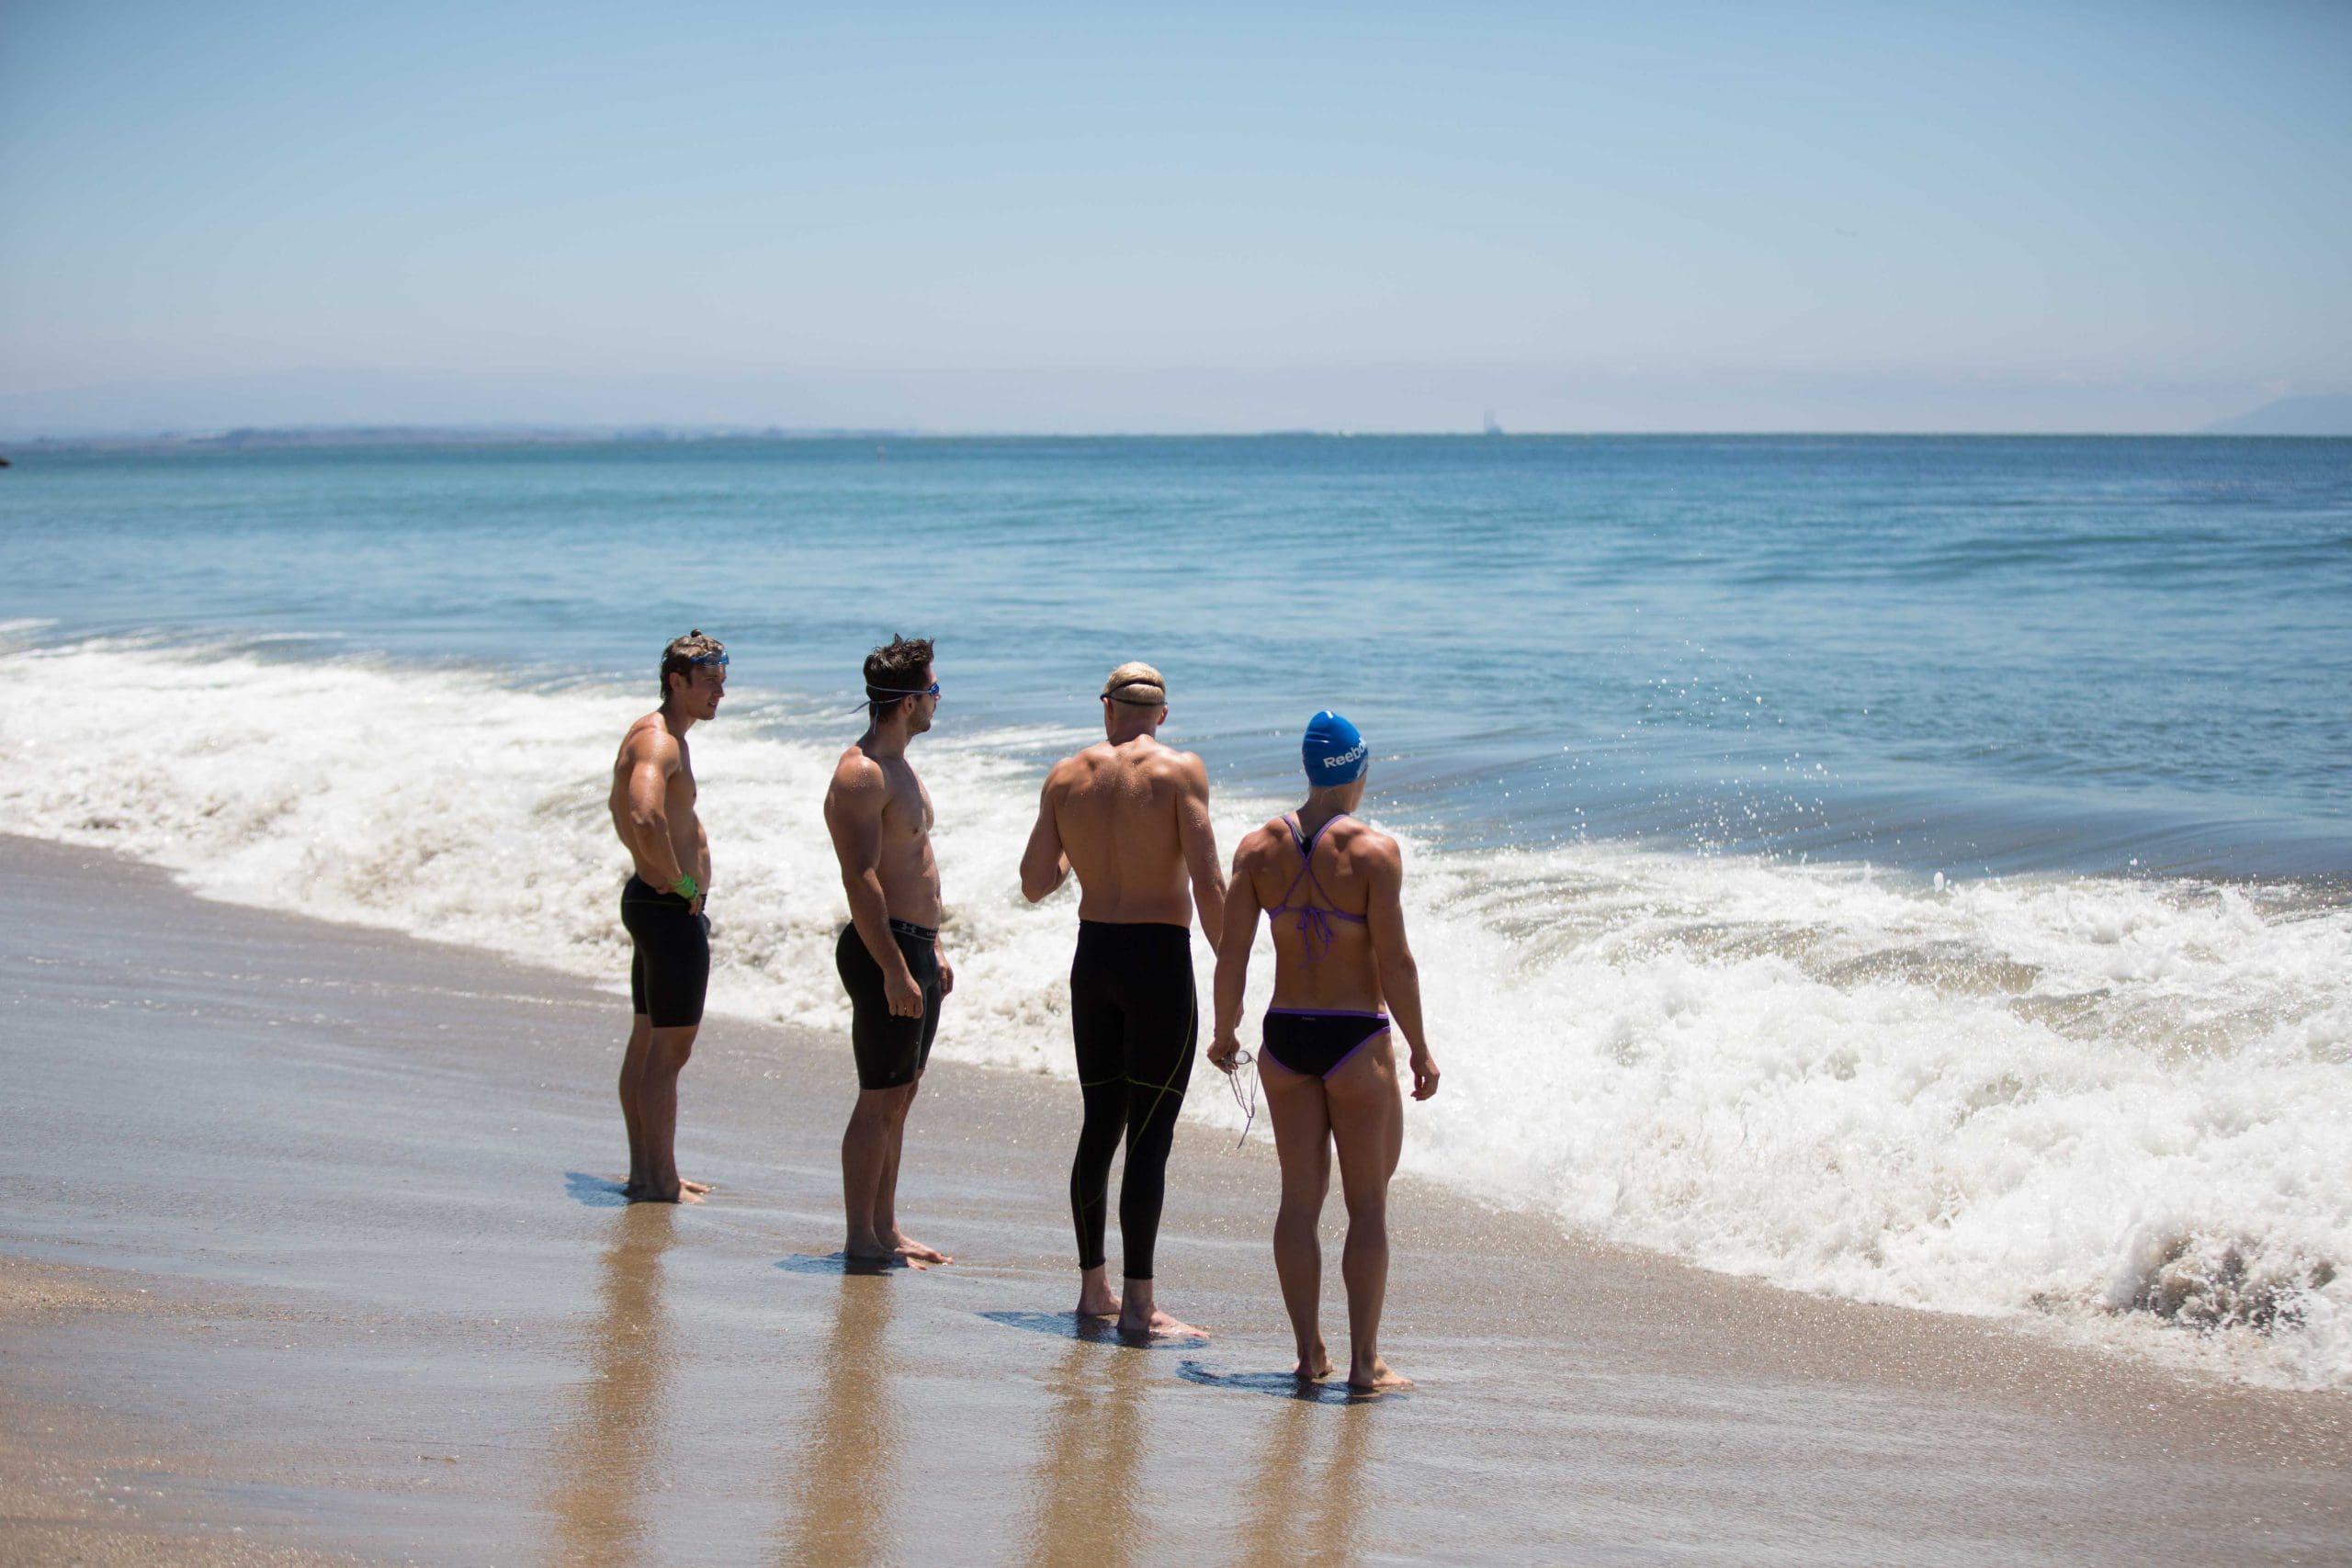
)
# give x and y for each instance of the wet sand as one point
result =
(308, 1248)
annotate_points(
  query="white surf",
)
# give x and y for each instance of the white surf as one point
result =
(2122, 1109)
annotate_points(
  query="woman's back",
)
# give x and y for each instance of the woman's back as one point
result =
(1313, 880)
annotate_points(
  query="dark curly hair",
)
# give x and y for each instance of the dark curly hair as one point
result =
(894, 671)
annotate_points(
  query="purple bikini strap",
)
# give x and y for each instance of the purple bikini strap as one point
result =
(1314, 920)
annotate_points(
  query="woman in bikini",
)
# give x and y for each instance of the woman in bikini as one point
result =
(1332, 886)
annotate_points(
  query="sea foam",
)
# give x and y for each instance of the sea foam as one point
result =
(2119, 1109)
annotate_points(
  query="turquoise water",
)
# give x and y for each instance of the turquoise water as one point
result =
(1975, 654)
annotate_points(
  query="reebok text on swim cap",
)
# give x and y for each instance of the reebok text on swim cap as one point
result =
(1334, 751)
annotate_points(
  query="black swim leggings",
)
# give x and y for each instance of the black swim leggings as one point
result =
(1133, 1011)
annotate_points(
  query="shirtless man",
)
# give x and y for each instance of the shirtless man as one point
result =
(888, 957)
(653, 812)
(1332, 886)
(1131, 817)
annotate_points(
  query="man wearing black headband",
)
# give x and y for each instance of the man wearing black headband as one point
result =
(1131, 817)
(661, 906)
(889, 958)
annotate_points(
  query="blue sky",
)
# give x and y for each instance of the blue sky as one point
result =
(1006, 218)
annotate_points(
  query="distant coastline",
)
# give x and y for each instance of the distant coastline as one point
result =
(2308, 415)
(298, 437)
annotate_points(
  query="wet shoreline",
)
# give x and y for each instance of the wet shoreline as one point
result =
(393, 1309)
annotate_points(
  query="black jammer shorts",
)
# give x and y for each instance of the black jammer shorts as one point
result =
(670, 973)
(890, 1050)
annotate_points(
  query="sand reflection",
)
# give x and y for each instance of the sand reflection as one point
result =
(1299, 1511)
(605, 1456)
(844, 1487)
(1085, 1506)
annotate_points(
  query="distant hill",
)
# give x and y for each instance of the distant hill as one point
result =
(245, 439)
(2329, 415)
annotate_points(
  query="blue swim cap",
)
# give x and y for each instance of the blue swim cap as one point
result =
(1333, 751)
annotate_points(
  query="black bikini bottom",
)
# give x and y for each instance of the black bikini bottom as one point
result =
(1313, 1043)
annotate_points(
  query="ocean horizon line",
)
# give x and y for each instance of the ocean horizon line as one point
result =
(526, 433)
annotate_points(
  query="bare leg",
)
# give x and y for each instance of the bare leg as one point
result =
(1367, 1112)
(1139, 1314)
(1095, 1297)
(885, 1210)
(886, 1197)
(657, 1112)
(640, 1038)
(867, 1145)
(1294, 1104)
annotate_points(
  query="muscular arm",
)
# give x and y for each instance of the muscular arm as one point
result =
(1237, 934)
(652, 758)
(854, 817)
(1198, 837)
(1044, 865)
(1400, 977)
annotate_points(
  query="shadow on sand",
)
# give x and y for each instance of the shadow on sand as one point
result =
(842, 1263)
(594, 1191)
(1281, 1385)
(1091, 1330)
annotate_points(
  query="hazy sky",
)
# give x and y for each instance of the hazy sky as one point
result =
(1091, 218)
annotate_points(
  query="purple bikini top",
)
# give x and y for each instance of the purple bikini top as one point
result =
(1314, 919)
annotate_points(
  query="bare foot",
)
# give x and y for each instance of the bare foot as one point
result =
(915, 1252)
(686, 1193)
(697, 1188)
(873, 1254)
(1158, 1325)
(1315, 1368)
(1376, 1377)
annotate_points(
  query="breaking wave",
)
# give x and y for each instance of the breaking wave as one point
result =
(2120, 1107)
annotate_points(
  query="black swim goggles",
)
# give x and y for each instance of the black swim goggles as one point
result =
(877, 693)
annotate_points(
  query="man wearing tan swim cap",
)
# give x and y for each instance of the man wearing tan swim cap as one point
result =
(1131, 817)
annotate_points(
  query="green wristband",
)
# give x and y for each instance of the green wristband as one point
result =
(686, 887)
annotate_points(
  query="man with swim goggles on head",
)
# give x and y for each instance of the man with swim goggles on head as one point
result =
(661, 906)
(1131, 817)
(1332, 886)
(889, 958)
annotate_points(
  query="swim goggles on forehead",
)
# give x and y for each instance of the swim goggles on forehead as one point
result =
(718, 659)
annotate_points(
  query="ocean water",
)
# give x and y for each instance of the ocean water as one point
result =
(1914, 869)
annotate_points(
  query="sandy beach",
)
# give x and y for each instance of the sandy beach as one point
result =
(312, 1251)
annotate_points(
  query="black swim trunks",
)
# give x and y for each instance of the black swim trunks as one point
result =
(890, 1050)
(1133, 1011)
(670, 972)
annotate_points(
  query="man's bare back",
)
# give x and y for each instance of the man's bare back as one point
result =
(1123, 814)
